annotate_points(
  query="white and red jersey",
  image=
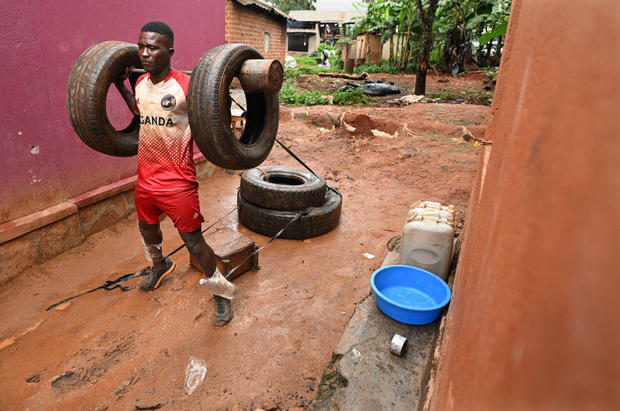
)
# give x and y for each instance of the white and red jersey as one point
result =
(165, 147)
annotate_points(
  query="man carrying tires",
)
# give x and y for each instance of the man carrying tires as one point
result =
(167, 180)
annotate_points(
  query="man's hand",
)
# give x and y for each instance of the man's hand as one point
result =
(127, 95)
(120, 79)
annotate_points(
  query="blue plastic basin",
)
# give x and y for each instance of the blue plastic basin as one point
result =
(409, 294)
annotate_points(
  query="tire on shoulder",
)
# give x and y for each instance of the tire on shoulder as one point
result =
(87, 89)
(282, 188)
(209, 110)
(319, 220)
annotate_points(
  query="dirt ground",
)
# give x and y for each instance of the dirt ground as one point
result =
(115, 350)
(466, 88)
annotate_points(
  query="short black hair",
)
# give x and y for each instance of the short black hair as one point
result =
(160, 28)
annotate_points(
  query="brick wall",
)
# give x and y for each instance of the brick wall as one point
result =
(248, 25)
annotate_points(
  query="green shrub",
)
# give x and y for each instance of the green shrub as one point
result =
(433, 58)
(305, 61)
(350, 96)
(291, 73)
(336, 62)
(373, 68)
(345, 40)
(324, 46)
(288, 95)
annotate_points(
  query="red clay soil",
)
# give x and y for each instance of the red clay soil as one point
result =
(115, 350)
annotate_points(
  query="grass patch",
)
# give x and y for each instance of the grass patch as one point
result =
(482, 97)
(351, 96)
(373, 69)
(308, 66)
(289, 95)
(331, 381)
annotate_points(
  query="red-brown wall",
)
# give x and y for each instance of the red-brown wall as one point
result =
(248, 25)
(534, 323)
(42, 161)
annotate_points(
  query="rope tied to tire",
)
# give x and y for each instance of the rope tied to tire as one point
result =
(262, 170)
(290, 152)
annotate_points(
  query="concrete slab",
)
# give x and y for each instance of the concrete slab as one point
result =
(364, 374)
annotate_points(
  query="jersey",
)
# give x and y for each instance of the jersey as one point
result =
(165, 146)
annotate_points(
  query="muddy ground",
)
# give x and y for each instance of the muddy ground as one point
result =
(467, 88)
(116, 350)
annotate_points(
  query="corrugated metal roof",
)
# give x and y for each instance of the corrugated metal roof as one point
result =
(328, 16)
(265, 6)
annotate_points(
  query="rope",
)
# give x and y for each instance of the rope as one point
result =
(238, 105)
(299, 160)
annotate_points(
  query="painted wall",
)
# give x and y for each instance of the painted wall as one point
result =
(534, 319)
(42, 161)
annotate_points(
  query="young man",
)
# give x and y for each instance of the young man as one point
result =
(167, 180)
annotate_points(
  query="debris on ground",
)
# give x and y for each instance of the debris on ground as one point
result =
(347, 127)
(373, 88)
(379, 133)
(345, 75)
(195, 373)
(406, 100)
(149, 407)
(290, 62)
(398, 346)
(468, 136)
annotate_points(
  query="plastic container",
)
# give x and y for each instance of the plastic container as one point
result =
(427, 242)
(219, 285)
(420, 207)
(419, 211)
(410, 295)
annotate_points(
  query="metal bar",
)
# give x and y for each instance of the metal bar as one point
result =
(261, 76)
(255, 75)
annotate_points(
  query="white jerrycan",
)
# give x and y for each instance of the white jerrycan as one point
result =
(420, 207)
(427, 242)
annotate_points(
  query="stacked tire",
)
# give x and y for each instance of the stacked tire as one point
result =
(271, 197)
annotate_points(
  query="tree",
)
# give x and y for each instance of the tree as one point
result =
(426, 17)
(288, 5)
(460, 24)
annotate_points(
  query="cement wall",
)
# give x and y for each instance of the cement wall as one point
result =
(42, 161)
(533, 321)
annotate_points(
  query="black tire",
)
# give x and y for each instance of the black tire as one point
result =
(209, 111)
(281, 188)
(87, 90)
(319, 220)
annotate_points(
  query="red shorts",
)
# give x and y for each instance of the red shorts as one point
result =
(181, 206)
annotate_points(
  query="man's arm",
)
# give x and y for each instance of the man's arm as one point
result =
(127, 95)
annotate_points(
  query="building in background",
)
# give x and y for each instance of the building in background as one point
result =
(309, 28)
(258, 24)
